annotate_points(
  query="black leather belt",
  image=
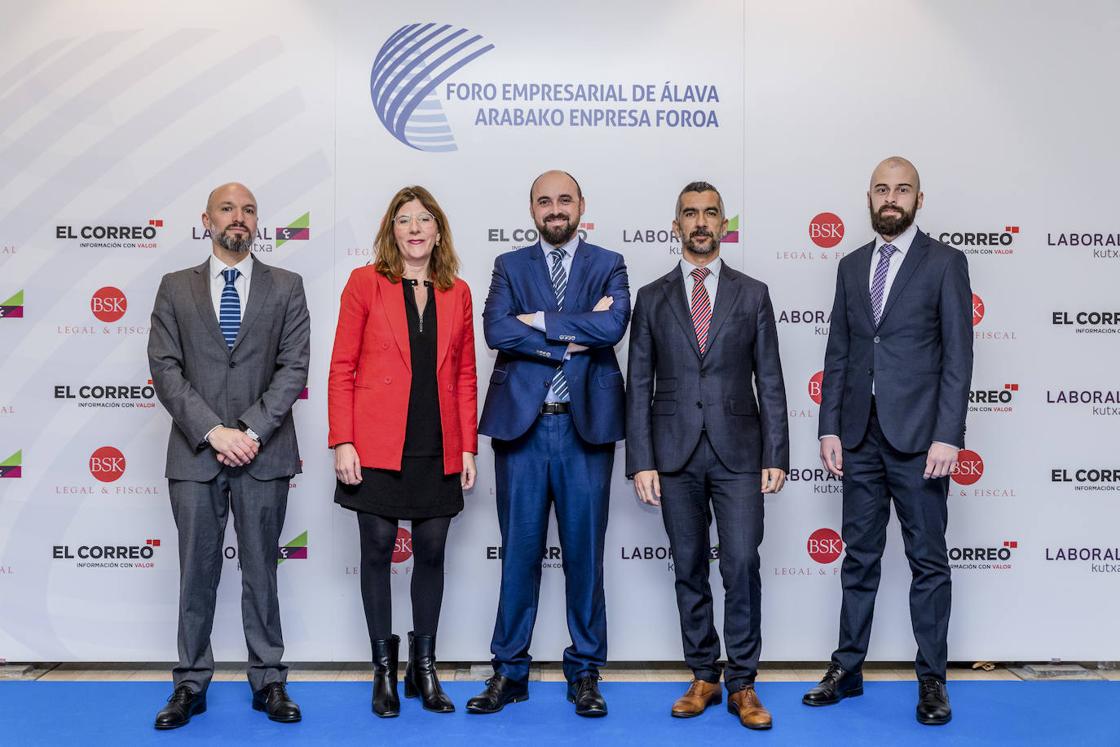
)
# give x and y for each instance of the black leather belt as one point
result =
(556, 408)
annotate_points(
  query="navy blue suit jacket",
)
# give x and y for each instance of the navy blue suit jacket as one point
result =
(527, 357)
(734, 391)
(919, 356)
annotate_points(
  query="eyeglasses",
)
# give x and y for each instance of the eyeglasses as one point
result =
(425, 219)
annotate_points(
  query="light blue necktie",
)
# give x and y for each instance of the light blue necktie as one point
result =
(879, 282)
(559, 285)
(229, 319)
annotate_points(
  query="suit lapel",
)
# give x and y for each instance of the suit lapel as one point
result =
(674, 296)
(727, 293)
(914, 257)
(864, 282)
(392, 301)
(539, 269)
(445, 317)
(581, 260)
(260, 287)
(200, 289)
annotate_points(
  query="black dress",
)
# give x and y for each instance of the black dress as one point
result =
(420, 490)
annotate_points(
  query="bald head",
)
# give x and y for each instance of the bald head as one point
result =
(239, 192)
(900, 168)
(556, 178)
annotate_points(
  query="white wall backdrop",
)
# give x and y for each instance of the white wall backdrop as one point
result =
(127, 115)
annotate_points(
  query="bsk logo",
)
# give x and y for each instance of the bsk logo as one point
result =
(108, 304)
(824, 546)
(977, 309)
(407, 71)
(402, 547)
(816, 381)
(107, 464)
(969, 469)
(826, 230)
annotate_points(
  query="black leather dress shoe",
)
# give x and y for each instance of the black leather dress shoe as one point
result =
(836, 685)
(584, 692)
(933, 702)
(273, 699)
(499, 691)
(182, 704)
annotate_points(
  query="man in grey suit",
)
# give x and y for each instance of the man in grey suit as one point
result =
(229, 351)
(702, 342)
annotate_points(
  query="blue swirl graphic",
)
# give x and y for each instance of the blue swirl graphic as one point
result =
(406, 73)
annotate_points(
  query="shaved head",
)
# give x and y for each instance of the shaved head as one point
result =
(226, 190)
(553, 174)
(896, 162)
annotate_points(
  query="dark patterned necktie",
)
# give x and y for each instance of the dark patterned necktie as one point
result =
(559, 285)
(229, 318)
(879, 282)
(701, 306)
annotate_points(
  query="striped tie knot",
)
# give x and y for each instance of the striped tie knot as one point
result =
(557, 255)
(231, 274)
(887, 250)
(700, 274)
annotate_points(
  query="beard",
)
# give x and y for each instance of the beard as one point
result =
(691, 246)
(235, 244)
(559, 235)
(892, 224)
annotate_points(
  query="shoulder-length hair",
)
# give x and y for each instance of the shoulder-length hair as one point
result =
(443, 266)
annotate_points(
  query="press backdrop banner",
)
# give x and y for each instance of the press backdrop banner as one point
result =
(115, 123)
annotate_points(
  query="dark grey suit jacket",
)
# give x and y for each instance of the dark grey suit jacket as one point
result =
(673, 392)
(202, 382)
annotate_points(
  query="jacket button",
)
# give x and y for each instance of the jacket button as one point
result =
(703, 374)
(449, 387)
(700, 404)
(233, 364)
(388, 380)
(876, 340)
(384, 346)
(547, 382)
(870, 372)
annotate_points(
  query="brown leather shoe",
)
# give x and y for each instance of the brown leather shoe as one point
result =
(700, 695)
(746, 705)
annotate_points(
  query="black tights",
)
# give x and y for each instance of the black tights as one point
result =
(379, 537)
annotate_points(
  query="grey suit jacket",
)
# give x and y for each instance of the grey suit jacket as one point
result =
(734, 391)
(203, 383)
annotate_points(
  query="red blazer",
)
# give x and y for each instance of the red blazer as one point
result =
(371, 372)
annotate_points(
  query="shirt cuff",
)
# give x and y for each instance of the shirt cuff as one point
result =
(828, 435)
(538, 321)
(206, 438)
(951, 446)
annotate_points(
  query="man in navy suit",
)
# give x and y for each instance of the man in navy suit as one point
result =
(897, 371)
(554, 410)
(700, 441)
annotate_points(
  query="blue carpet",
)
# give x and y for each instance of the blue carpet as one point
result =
(338, 713)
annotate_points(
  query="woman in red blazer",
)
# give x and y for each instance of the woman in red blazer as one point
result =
(402, 401)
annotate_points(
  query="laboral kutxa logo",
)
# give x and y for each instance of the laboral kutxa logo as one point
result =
(410, 83)
(12, 466)
(12, 308)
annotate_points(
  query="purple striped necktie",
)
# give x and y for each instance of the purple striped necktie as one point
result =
(879, 282)
(701, 307)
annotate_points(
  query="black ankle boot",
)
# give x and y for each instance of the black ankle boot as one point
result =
(420, 674)
(386, 654)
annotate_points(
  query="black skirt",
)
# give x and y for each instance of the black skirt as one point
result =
(419, 491)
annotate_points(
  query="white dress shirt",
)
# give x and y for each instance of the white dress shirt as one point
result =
(711, 282)
(218, 282)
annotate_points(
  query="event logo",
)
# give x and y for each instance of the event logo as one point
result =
(826, 230)
(660, 553)
(818, 319)
(981, 242)
(112, 237)
(1090, 479)
(108, 304)
(109, 556)
(552, 557)
(1088, 322)
(1100, 559)
(979, 311)
(824, 546)
(12, 308)
(108, 395)
(522, 237)
(407, 72)
(815, 383)
(1103, 245)
(294, 550)
(12, 467)
(107, 464)
(996, 558)
(297, 230)
(992, 400)
(1098, 402)
(402, 546)
(821, 480)
(263, 243)
(969, 468)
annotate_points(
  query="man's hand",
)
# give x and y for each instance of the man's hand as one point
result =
(648, 484)
(470, 471)
(773, 479)
(604, 304)
(527, 318)
(234, 447)
(347, 466)
(940, 460)
(832, 455)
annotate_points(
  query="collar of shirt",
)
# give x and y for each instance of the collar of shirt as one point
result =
(687, 267)
(569, 248)
(901, 242)
(217, 265)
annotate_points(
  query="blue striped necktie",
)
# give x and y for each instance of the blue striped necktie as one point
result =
(229, 319)
(559, 285)
(879, 282)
